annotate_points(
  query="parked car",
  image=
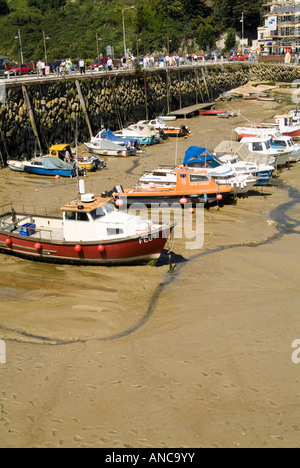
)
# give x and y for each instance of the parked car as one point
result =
(2, 70)
(25, 70)
(239, 58)
(99, 63)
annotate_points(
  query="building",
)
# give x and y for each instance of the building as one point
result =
(281, 30)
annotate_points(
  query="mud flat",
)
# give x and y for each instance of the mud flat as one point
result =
(143, 357)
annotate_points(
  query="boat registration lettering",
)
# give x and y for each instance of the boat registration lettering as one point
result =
(145, 240)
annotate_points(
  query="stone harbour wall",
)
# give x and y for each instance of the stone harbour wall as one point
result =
(41, 112)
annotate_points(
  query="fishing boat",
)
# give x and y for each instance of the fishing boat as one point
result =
(283, 125)
(145, 134)
(160, 126)
(189, 187)
(223, 175)
(90, 231)
(287, 143)
(64, 152)
(107, 148)
(90, 163)
(47, 166)
(132, 145)
(238, 155)
(262, 146)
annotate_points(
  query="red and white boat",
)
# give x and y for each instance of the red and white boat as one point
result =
(283, 125)
(90, 231)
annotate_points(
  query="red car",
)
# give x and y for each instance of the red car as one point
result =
(238, 58)
(101, 62)
(25, 70)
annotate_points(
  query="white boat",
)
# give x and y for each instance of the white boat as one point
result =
(238, 155)
(159, 125)
(262, 146)
(17, 166)
(284, 124)
(168, 118)
(222, 175)
(287, 143)
(106, 148)
(144, 133)
(90, 231)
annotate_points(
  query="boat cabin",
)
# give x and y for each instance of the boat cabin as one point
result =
(63, 152)
(92, 218)
(284, 120)
(283, 142)
(257, 144)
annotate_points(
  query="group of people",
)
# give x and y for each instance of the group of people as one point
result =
(60, 67)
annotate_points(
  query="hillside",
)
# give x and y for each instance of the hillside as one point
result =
(72, 25)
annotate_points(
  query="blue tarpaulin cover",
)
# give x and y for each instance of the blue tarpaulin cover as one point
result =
(196, 154)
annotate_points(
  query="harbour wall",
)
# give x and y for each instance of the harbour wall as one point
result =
(40, 112)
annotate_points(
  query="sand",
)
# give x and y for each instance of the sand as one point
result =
(124, 357)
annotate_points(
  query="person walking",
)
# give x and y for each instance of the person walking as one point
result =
(69, 66)
(39, 68)
(82, 67)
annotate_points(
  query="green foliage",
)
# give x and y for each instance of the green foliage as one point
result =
(230, 41)
(158, 25)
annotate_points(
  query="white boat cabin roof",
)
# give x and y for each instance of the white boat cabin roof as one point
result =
(254, 139)
(86, 207)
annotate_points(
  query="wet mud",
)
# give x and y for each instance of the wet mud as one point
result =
(196, 353)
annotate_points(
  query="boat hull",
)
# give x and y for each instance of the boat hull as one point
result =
(212, 112)
(138, 250)
(48, 172)
(16, 166)
(169, 199)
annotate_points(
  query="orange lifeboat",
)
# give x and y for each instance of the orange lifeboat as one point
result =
(192, 186)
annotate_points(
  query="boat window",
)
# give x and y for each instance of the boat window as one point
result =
(98, 213)
(76, 216)
(268, 146)
(198, 178)
(257, 147)
(70, 215)
(279, 143)
(81, 216)
(114, 231)
(109, 208)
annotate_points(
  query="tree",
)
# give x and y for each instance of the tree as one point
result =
(230, 41)
(206, 35)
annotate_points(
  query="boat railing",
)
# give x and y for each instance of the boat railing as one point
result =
(29, 210)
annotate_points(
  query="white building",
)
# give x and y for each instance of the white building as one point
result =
(281, 31)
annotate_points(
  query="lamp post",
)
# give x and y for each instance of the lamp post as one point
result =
(137, 46)
(123, 20)
(242, 21)
(20, 42)
(45, 48)
(97, 42)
